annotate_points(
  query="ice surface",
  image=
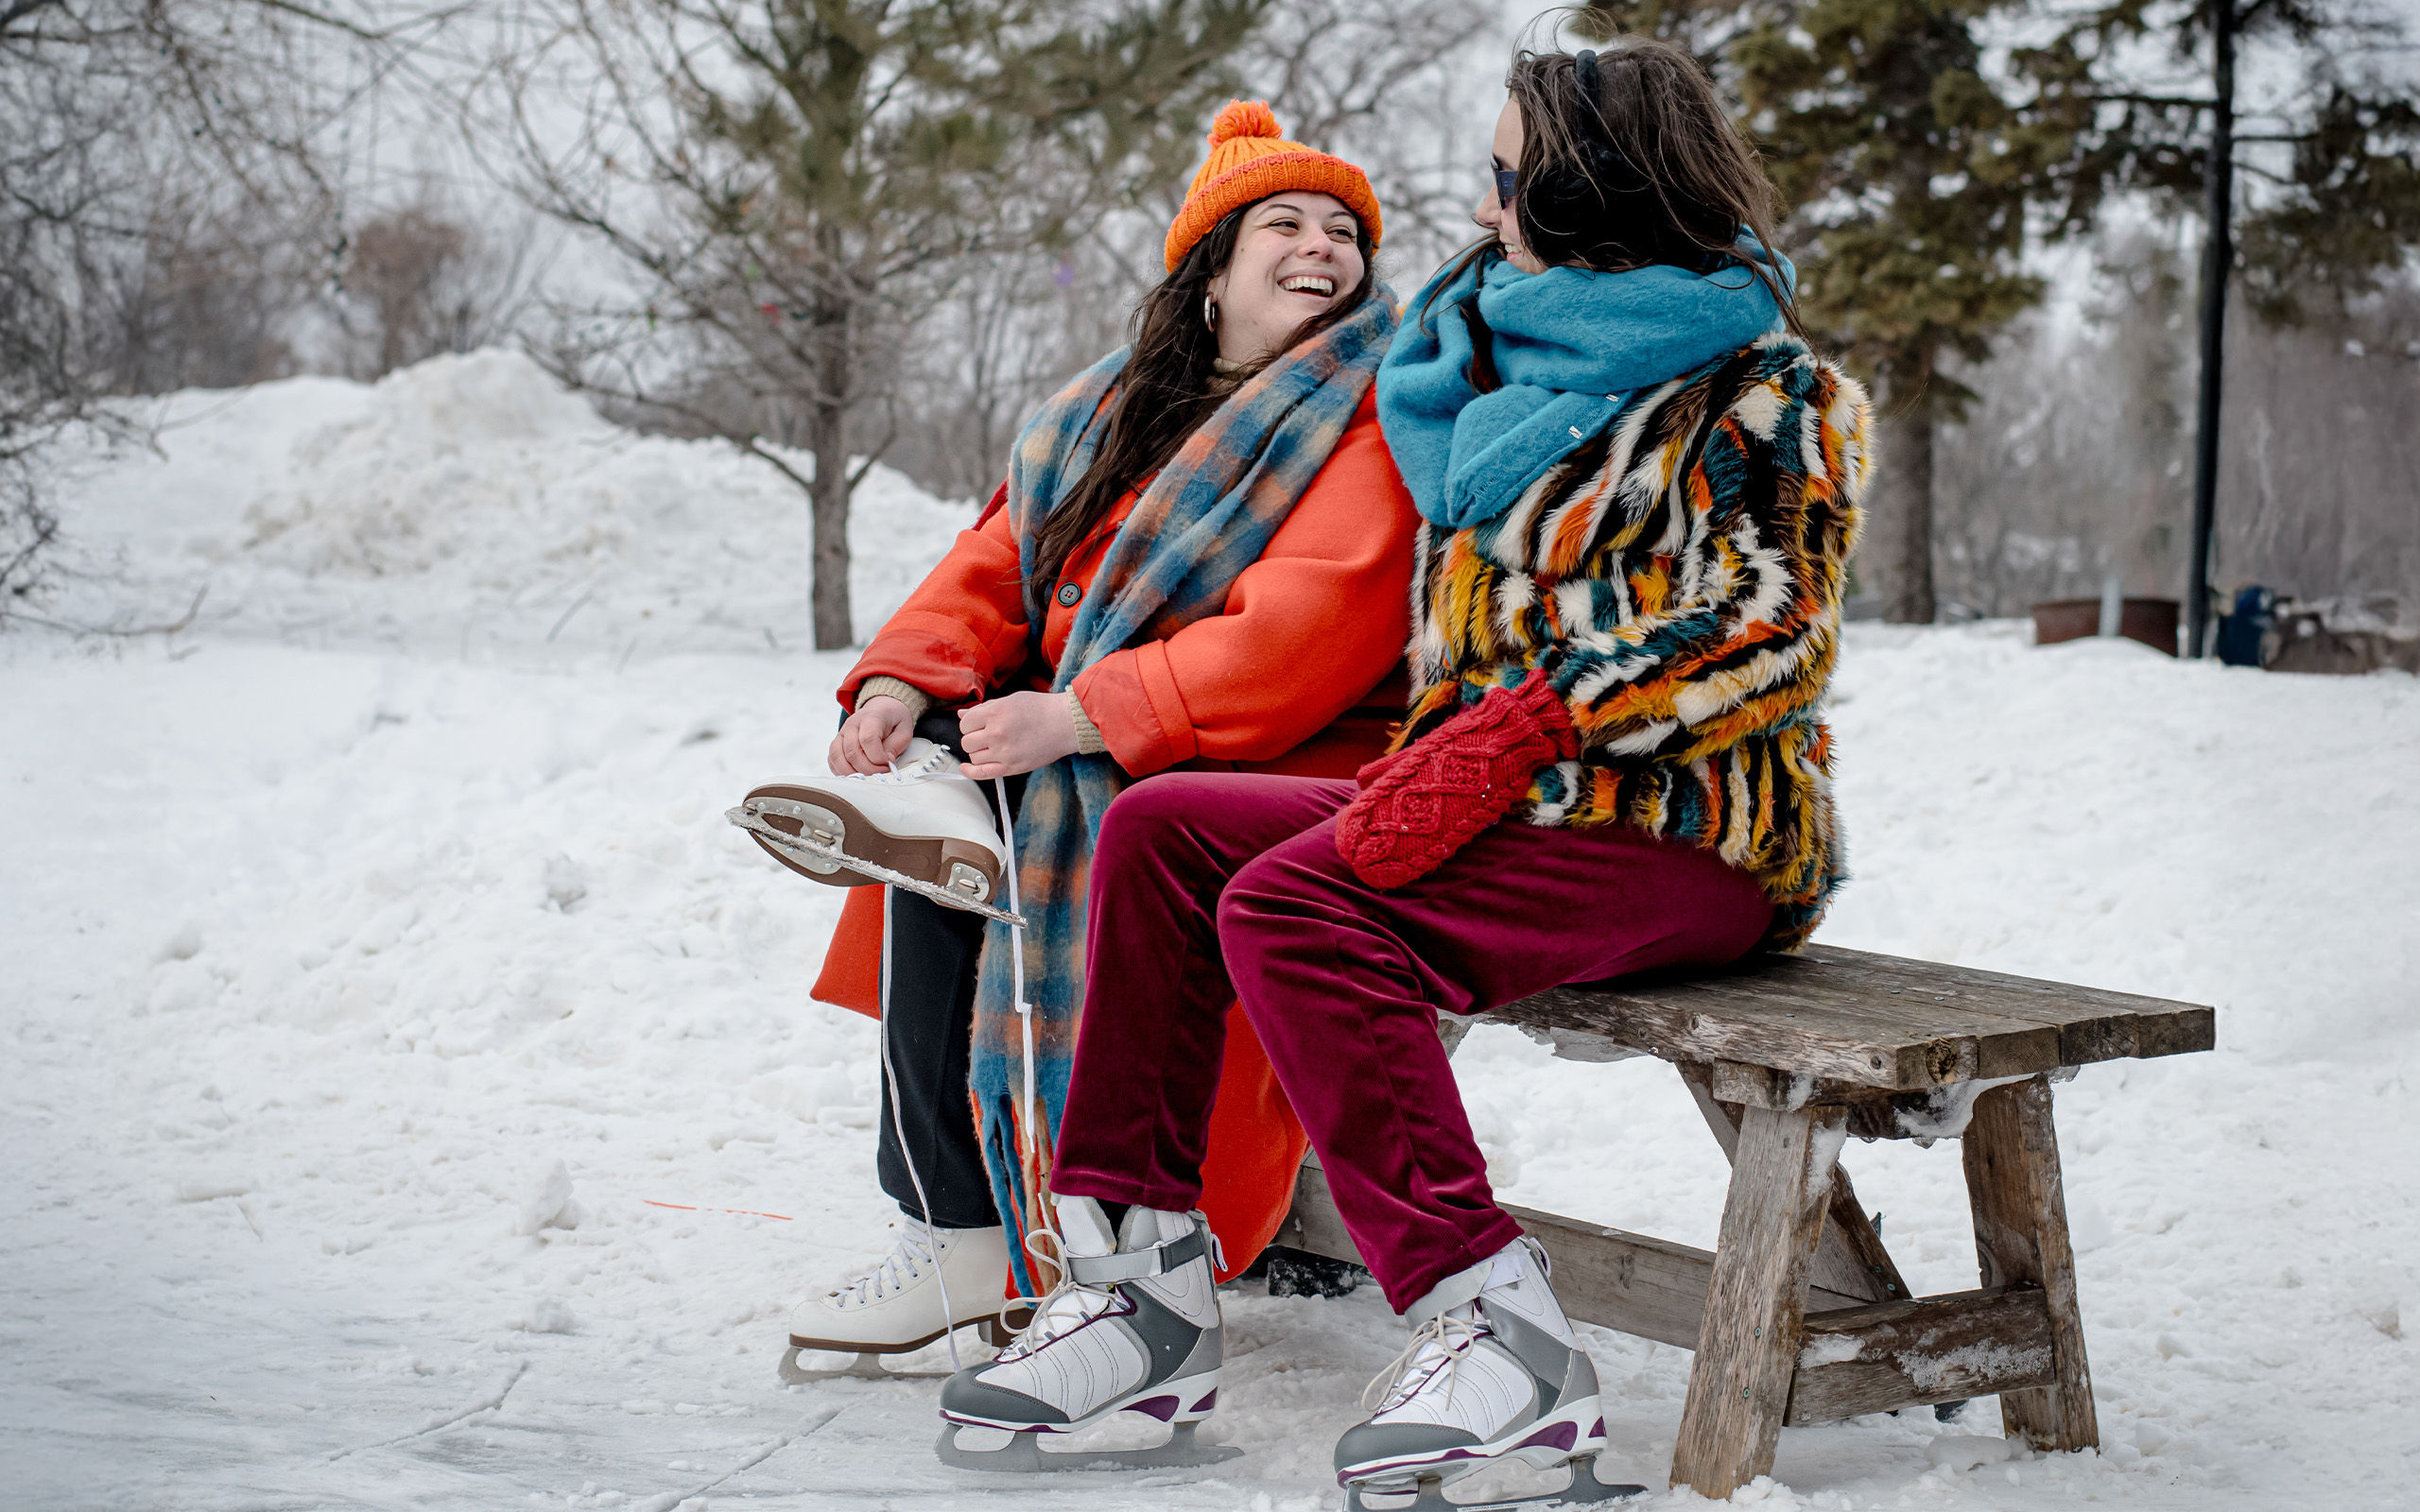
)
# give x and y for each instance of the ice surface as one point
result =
(340, 926)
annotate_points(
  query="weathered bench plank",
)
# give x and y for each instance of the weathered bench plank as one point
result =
(2014, 1186)
(1916, 1352)
(1850, 1258)
(1867, 1020)
(1748, 1345)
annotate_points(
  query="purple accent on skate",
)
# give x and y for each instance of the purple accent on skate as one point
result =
(1163, 1408)
(1124, 1307)
(1385, 1467)
(949, 1416)
(1562, 1435)
(1207, 1402)
(1598, 1432)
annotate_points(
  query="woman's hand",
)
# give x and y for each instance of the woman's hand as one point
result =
(1425, 802)
(1007, 736)
(872, 738)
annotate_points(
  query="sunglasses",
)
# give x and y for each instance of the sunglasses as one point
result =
(1507, 181)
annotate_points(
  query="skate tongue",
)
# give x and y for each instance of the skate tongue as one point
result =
(921, 760)
(1083, 1228)
(894, 1271)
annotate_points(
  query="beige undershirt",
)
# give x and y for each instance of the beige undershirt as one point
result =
(1088, 740)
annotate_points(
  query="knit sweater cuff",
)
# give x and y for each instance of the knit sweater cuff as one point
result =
(1088, 740)
(916, 698)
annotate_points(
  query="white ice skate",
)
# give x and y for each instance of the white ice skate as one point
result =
(921, 825)
(1492, 1372)
(932, 1280)
(1133, 1327)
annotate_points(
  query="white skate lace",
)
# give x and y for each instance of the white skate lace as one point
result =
(1065, 1308)
(934, 762)
(891, 1274)
(1410, 1373)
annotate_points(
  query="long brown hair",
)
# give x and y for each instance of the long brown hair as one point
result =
(1645, 168)
(1165, 391)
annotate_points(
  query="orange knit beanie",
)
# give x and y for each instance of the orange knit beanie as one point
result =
(1249, 161)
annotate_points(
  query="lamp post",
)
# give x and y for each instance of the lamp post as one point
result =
(2217, 255)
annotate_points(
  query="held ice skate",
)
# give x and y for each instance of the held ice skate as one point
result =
(921, 825)
(1133, 1327)
(932, 1281)
(1492, 1372)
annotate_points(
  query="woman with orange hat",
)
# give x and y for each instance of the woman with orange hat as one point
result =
(1201, 560)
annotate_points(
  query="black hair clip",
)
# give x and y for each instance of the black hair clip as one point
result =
(1607, 164)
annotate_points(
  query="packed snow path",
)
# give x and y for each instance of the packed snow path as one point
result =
(364, 997)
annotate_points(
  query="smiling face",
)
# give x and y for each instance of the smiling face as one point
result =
(1297, 255)
(1494, 214)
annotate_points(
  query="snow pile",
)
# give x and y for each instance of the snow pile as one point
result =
(469, 505)
(413, 1098)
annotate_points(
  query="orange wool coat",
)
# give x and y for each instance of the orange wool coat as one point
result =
(1302, 674)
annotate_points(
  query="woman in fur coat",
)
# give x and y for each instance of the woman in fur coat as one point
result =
(1638, 494)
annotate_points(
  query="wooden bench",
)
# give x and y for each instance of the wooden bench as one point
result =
(1799, 1315)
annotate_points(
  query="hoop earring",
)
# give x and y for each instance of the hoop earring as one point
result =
(1210, 312)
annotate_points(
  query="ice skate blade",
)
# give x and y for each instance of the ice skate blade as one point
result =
(825, 862)
(864, 1367)
(996, 1331)
(1428, 1495)
(1022, 1455)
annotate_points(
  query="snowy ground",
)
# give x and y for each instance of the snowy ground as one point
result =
(377, 960)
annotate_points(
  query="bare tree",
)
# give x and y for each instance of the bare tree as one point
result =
(1008, 332)
(2323, 451)
(422, 278)
(792, 183)
(2075, 463)
(1406, 90)
(160, 161)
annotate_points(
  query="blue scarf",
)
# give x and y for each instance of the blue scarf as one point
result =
(1572, 346)
(1206, 516)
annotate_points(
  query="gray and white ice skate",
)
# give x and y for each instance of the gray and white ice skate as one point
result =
(1492, 1372)
(1133, 1327)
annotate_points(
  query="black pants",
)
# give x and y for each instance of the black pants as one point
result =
(929, 957)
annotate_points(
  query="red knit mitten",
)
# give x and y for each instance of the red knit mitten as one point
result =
(1422, 804)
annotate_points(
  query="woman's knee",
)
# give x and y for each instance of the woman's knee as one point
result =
(1273, 894)
(1143, 818)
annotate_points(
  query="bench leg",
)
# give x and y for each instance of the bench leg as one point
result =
(2012, 1154)
(1748, 1343)
(1850, 1258)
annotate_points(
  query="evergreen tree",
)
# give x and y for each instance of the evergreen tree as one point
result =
(2331, 188)
(1922, 162)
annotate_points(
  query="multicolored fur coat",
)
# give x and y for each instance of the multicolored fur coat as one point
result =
(1680, 576)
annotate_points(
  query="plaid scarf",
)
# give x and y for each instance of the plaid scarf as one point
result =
(1206, 516)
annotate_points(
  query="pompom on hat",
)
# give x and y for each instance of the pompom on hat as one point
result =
(1249, 161)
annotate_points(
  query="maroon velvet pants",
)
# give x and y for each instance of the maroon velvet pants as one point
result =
(1215, 888)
